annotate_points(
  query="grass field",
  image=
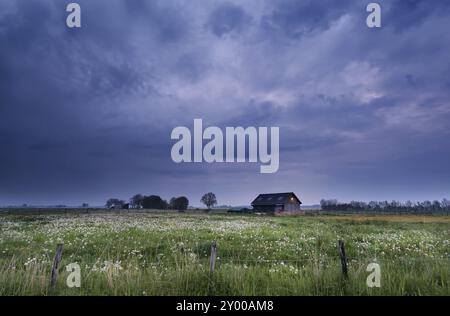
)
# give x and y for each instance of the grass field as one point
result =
(149, 253)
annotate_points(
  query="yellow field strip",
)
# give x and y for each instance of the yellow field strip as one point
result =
(390, 218)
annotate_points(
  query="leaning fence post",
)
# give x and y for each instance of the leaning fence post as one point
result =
(343, 258)
(56, 261)
(212, 261)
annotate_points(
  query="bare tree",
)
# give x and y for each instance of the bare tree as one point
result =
(445, 205)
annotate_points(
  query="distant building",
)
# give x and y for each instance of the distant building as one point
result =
(277, 202)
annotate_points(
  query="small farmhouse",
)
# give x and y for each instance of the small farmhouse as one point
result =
(277, 202)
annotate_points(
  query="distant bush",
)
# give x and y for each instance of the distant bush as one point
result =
(180, 203)
(425, 207)
(137, 201)
(154, 202)
(115, 203)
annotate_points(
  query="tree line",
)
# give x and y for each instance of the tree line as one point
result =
(140, 201)
(424, 207)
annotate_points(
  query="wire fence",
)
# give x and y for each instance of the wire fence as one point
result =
(213, 263)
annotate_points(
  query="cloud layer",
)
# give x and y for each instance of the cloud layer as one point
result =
(86, 114)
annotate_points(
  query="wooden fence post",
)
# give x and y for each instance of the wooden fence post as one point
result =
(212, 261)
(343, 258)
(56, 261)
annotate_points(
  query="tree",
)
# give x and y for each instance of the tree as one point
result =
(436, 206)
(427, 206)
(373, 205)
(114, 203)
(180, 203)
(209, 199)
(330, 204)
(136, 201)
(323, 204)
(384, 205)
(445, 205)
(408, 204)
(154, 202)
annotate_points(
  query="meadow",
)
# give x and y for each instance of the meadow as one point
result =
(151, 253)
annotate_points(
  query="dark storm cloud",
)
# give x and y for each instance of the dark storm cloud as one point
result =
(227, 18)
(86, 114)
(403, 15)
(297, 18)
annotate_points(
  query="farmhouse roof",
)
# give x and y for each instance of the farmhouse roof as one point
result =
(274, 198)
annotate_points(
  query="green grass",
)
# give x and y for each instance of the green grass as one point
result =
(149, 253)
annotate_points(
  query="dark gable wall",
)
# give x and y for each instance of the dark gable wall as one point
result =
(292, 206)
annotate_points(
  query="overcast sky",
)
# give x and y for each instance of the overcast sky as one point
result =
(86, 114)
